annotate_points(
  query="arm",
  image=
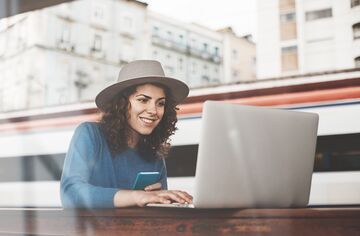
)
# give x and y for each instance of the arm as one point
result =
(75, 188)
(77, 192)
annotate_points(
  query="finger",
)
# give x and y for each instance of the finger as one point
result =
(184, 195)
(155, 198)
(173, 195)
(156, 186)
(187, 197)
(165, 201)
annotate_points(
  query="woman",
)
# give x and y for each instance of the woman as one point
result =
(139, 115)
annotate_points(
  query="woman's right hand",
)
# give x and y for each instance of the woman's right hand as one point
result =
(142, 198)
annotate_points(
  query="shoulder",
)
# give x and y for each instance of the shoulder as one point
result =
(91, 129)
(88, 127)
(88, 136)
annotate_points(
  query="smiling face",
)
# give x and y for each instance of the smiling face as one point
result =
(146, 109)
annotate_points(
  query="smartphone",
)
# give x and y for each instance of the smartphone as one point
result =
(144, 179)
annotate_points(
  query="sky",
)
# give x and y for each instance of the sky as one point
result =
(214, 14)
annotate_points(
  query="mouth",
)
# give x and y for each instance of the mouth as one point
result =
(148, 121)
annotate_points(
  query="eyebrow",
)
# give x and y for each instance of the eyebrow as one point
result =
(148, 97)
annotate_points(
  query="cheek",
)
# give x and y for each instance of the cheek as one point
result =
(131, 115)
(134, 110)
(161, 113)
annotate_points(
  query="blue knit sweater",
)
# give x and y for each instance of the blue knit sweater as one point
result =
(91, 175)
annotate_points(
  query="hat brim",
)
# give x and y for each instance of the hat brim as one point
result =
(178, 89)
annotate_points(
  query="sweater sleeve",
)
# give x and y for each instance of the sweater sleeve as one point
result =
(75, 189)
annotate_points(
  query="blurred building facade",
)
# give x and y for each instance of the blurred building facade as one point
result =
(239, 57)
(201, 56)
(69, 52)
(187, 51)
(304, 36)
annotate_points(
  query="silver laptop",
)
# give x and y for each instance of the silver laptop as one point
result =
(253, 157)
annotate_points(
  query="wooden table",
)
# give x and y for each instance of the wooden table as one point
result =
(165, 221)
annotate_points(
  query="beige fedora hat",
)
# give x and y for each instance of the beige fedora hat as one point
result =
(142, 72)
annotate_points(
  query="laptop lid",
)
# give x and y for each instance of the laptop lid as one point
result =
(254, 157)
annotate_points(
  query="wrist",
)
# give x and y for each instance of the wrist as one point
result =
(139, 198)
(127, 198)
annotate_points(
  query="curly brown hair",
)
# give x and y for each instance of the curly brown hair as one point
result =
(114, 124)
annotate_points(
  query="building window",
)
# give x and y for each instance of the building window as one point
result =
(285, 5)
(65, 35)
(290, 49)
(127, 24)
(216, 51)
(289, 58)
(355, 3)
(180, 63)
(205, 79)
(65, 39)
(319, 14)
(193, 43)
(99, 12)
(97, 44)
(287, 17)
(234, 54)
(235, 74)
(169, 33)
(288, 26)
(356, 30)
(127, 52)
(216, 80)
(194, 68)
(170, 70)
(357, 62)
(205, 46)
(155, 30)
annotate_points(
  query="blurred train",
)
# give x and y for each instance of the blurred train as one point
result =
(33, 143)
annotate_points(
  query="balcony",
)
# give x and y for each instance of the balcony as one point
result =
(168, 44)
(185, 49)
(98, 54)
(205, 55)
(65, 45)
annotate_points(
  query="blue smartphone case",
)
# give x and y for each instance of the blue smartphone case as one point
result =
(144, 179)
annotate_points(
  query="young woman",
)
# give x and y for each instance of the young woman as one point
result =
(139, 115)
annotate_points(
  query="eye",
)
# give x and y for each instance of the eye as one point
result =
(142, 100)
(161, 104)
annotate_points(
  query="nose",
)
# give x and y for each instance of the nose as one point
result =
(151, 108)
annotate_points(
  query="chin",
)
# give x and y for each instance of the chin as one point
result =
(146, 132)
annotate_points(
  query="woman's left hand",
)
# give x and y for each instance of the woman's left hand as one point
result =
(142, 198)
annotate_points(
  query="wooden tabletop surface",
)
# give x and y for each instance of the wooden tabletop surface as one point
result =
(175, 221)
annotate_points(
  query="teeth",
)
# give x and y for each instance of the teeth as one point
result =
(146, 120)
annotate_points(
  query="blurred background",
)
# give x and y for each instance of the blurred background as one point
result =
(56, 55)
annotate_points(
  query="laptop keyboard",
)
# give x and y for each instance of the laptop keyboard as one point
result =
(175, 204)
